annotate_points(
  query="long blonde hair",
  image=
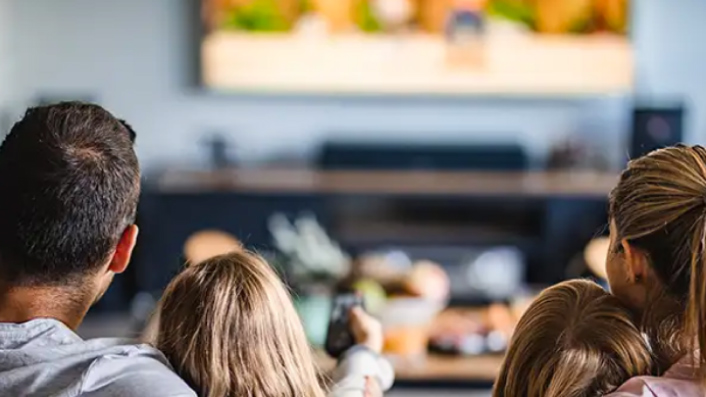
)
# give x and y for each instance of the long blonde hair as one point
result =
(229, 328)
(575, 340)
(659, 207)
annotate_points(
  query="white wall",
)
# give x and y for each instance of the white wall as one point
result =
(135, 56)
(5, 57)
(672, 58)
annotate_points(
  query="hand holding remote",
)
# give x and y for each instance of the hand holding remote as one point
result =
(367, 331)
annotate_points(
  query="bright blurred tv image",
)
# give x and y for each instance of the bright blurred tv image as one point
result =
(424, 47)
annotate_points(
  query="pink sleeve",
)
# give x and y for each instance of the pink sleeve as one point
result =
(646, 386)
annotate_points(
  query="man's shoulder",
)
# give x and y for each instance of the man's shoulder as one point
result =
(43, 354)
(133, 370)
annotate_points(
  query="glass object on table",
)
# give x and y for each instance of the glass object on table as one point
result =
(313, 305)
(406, 323)
(465, 32)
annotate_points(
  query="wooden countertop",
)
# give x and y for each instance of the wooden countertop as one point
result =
(481, 368)
(305, 181)
(442, 368)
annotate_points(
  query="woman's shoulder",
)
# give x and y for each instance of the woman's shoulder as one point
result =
(649, 386)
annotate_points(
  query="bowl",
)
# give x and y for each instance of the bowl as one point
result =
(406, 323)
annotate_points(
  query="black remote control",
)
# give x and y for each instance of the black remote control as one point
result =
(339, 337)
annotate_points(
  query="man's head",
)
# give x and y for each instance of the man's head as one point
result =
(69, 185)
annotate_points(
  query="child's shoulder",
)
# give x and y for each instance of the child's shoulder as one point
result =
(650, 386)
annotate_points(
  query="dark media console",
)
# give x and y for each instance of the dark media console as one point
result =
(549, 216)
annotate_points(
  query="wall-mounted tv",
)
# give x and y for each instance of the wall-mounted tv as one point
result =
(417, 47)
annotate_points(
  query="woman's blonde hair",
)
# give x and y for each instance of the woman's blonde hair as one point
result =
(229, 328)
(659, 207)
(575, 340)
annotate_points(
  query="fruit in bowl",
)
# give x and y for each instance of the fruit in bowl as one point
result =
(373, 294)
(427, 280)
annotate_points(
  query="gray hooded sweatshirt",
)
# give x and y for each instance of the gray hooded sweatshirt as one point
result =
(43, 357)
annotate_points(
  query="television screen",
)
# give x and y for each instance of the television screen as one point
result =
(417, 47)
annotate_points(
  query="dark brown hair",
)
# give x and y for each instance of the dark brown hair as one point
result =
(70, 182)
(575, 340)
(659, 207)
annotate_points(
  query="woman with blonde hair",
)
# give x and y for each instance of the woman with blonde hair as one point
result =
(229, 328)
(657, 265)
(574, 340)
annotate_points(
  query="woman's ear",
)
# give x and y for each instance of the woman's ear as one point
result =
(635, 262)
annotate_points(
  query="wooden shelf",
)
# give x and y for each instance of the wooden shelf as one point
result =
(419, 183)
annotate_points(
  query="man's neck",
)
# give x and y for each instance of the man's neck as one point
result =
(22, 304)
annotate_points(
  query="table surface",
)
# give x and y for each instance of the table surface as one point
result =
(303, 181)
(437, 393)
(442, 368)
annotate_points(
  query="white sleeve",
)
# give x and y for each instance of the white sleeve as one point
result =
(355, 366)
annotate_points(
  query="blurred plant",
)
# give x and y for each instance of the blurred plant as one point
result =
(306, 252)
(521, 12)
(365, 17)
(583, 25)
(256, 16)
(306, 7)
(610, 15)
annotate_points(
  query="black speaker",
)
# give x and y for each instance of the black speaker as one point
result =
(399, 156)
(656, 127)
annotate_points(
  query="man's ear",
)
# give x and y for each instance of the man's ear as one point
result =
(635, 262)
(123, 251)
